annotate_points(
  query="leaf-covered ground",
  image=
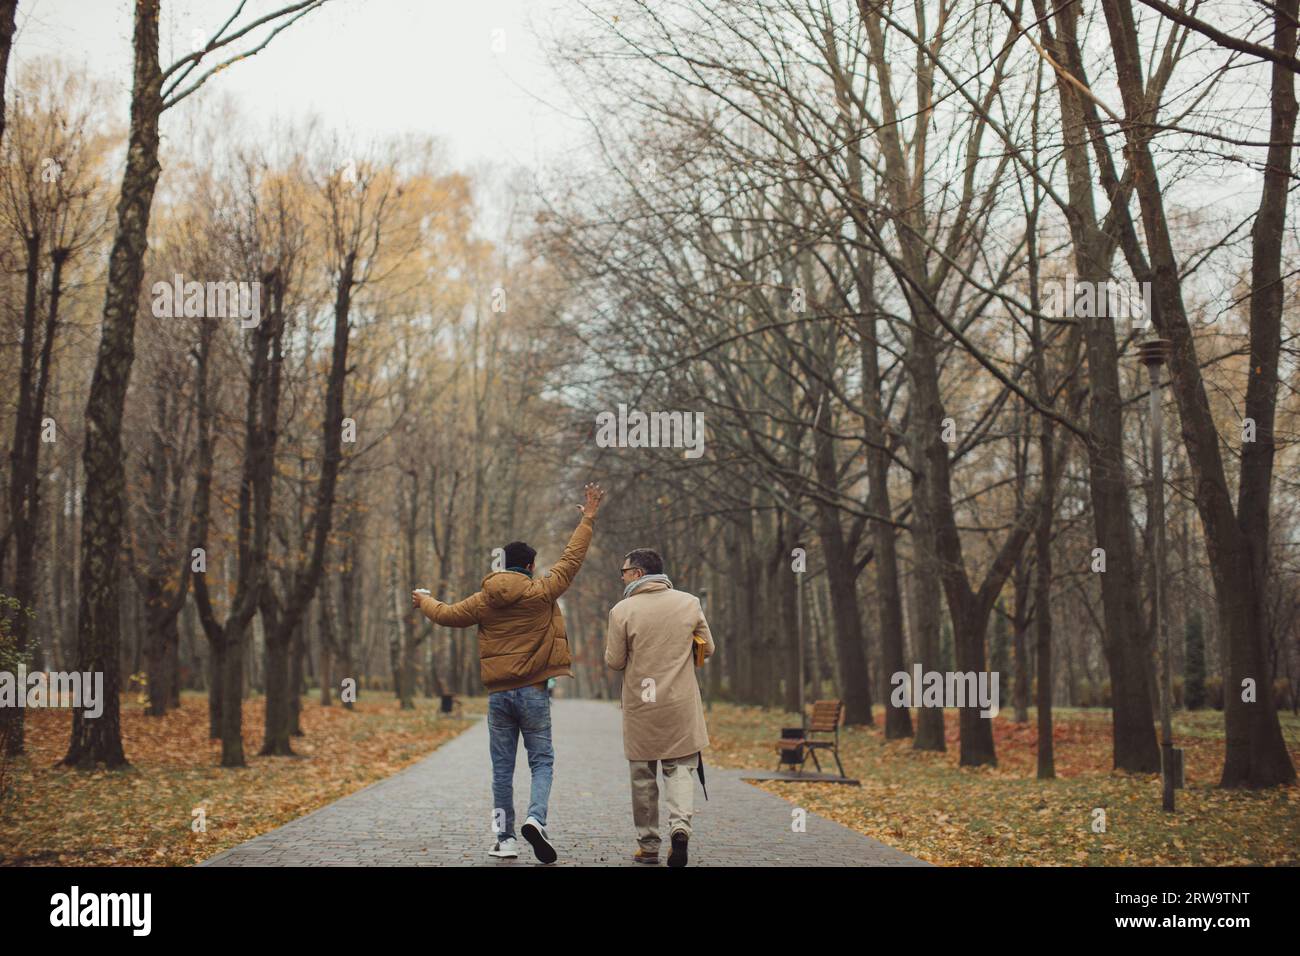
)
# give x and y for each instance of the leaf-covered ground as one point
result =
(143, 815)
(925, 804)
(922, 803)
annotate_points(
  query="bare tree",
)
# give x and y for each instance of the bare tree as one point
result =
(49, 200)
(153, 90)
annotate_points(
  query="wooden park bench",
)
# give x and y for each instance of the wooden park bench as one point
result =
(795, 750)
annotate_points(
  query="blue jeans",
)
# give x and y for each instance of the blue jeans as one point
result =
(525, 710)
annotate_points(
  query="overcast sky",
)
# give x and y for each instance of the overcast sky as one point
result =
(468, 71)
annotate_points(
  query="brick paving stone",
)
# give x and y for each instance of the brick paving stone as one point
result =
(438, 812)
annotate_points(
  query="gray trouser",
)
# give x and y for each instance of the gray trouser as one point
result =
(679, 794)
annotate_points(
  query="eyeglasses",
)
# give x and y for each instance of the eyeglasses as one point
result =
(623, 571)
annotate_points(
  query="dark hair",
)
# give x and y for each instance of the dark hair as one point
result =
(646, 559)
(519, 555)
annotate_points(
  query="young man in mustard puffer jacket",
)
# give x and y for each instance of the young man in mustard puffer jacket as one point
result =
(522, 644)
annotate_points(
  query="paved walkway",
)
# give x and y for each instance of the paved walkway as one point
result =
(438, 812)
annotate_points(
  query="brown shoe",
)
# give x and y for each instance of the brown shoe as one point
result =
(677, 855)
(641, 856)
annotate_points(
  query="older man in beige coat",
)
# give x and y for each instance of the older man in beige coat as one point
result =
(651, 639)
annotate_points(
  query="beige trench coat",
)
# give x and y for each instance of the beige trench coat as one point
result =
(650, 640)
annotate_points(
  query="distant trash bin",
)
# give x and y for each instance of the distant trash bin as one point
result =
(794, 753)
(448, 702)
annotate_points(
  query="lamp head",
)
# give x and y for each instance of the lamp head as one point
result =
(1154, 351)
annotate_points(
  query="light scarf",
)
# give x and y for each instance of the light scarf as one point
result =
(644, 579)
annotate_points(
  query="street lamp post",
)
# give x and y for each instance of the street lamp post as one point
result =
(798, 617)
(1154, 353)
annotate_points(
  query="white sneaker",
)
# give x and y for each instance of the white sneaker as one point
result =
(507, 848)
(535, 833)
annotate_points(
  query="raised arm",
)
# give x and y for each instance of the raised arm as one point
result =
(461, 614)
(562, 573)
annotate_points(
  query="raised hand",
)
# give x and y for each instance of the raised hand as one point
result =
(594, 493)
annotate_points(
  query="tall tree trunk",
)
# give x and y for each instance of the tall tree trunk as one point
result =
(297, 685)
(163, 587)
(1043, 701)
(1043, 562)
(842, 576)
(969, 618)
(8, 16)
(24, 488)
(213, 631)
(232, 694)
(63, 583)
(347, 617)
(889, 600)
(282, 616)
(926, 602)
(787, 591)
(216, 670)
(172, 668)
(325, 667)
(100, 740)
(279, 690)
(1256, 754)
(1237, 541)
(1020, 625)
(407, 673)
(394, 628)
(1125, 638)
(846, 619)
